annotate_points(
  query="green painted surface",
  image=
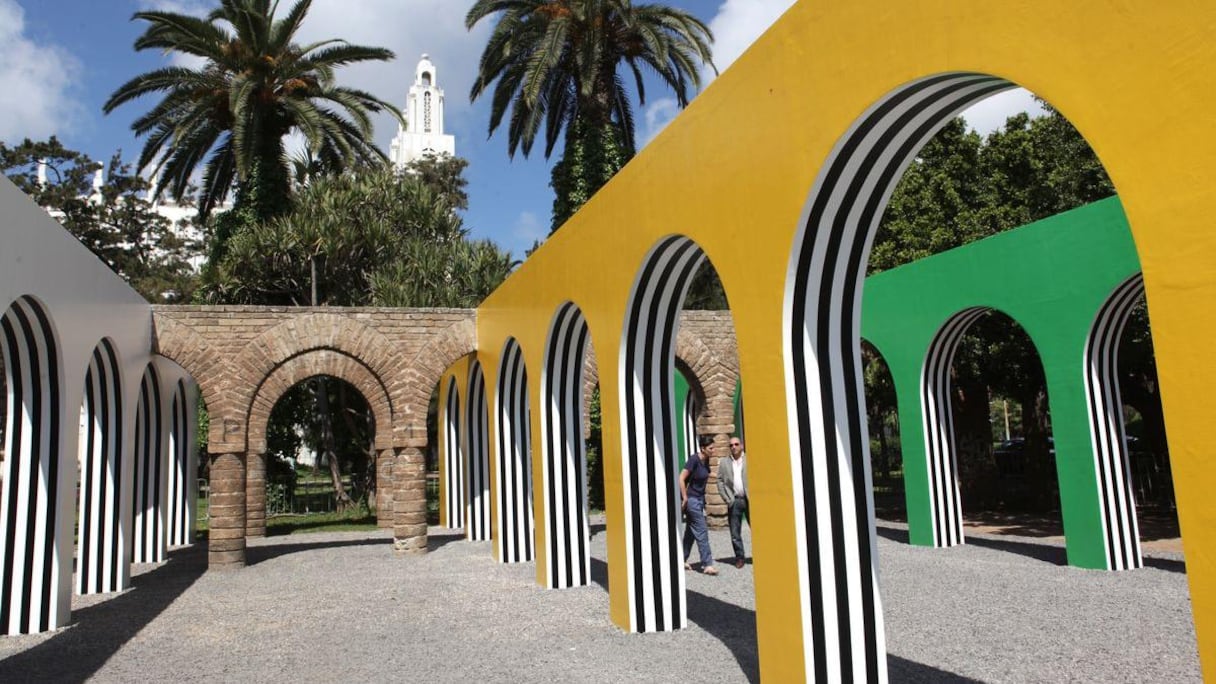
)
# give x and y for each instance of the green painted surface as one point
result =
(681, 395)
(1051, 277)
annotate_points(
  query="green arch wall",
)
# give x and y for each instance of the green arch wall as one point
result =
(1051, 277)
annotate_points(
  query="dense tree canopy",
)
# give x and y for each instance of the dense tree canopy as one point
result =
(115, 221)
(381, 237)
(557, 64)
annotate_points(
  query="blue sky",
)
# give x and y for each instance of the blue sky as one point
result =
(60, 60)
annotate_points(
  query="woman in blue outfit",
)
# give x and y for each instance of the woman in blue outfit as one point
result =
(692, 491)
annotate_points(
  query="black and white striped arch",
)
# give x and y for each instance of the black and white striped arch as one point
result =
(650, 459)
(29, 505)
(477, 452)
(148, 539)
(514, 493)
(180, 497)
(1116, 499)
(452, 461)
(829, 448)
(100, 546)
(941, 458)
(564, 457)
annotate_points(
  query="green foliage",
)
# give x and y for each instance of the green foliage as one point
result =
(705, 292)
(963, 188)
(444, 174)
(378, 238)
(254, 86)
(595, 454)
(116, 222)
(555, 64)
(591, 158)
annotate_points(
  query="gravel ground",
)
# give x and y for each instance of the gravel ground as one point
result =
(341, 607)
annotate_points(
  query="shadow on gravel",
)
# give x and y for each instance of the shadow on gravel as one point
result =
(260, 554)
(434, 542)
(735, 627)
(98, 631)
(1044, 552)
(903, 670)
(1048, 553)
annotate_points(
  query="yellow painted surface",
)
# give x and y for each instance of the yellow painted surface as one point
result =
(735, 170)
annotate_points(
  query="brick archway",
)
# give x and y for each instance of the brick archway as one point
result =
(312, 364)
(183, 345)
(422, 374)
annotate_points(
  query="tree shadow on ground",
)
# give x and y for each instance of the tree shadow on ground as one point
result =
(443, 537)
(1048, 553)
(735, 627)
(97, 632)
(261, 554)
(281, 526)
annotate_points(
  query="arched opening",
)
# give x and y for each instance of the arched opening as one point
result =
(453, 479)
(564, 455)
(1006, 485)
(183, 463)
(882, 414)
(477, 445)
(318, 455)
(30, 505)
(1132, 467)
(654, 417)
(516, 527)
(101, 555)
(1144, 420)
(151, 483)
(822, 303)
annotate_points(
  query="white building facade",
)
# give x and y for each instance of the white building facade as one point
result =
(422, 133)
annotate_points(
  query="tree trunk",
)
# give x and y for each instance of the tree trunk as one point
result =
(977, 472)
(341, 498)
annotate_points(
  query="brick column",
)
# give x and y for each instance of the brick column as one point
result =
(226, 539)
(384, 487)
(719, 421)
(409, 500)
(255, 495)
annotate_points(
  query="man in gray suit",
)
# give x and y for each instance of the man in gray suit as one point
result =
(732, 487)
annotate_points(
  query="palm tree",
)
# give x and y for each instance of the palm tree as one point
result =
(557, 63)
(255, 85)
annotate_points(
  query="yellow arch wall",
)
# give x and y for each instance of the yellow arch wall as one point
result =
(735, 170)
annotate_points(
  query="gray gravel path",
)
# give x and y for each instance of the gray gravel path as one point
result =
(341, 607)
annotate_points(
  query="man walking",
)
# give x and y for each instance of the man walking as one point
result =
(732, 487)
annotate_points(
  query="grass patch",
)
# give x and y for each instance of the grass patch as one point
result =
(357, 520)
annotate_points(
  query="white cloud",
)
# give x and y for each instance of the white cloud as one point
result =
(658, 114)
(407, 27)
(990, 114)
(737, 25)
(40, 81)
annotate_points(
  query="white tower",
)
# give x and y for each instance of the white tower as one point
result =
(422, 133)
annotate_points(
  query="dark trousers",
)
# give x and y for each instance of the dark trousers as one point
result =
(735, 514)
(696, 530)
